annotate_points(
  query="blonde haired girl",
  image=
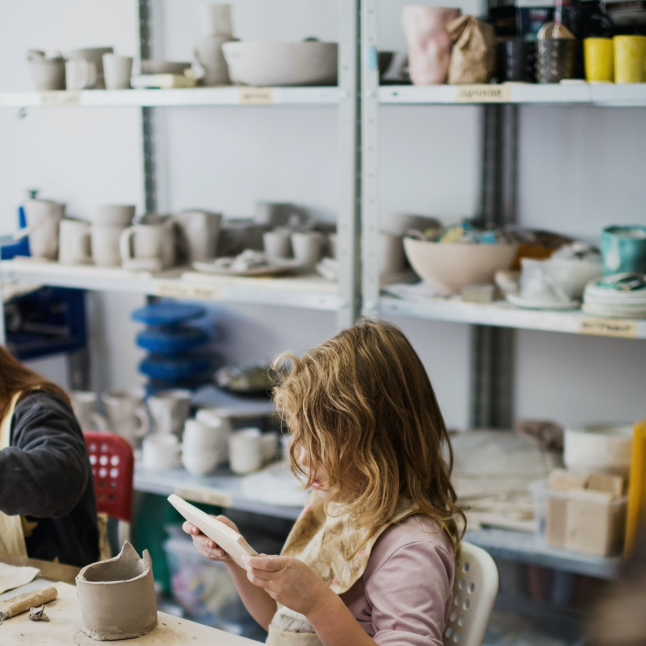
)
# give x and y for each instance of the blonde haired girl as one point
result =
(371, 558)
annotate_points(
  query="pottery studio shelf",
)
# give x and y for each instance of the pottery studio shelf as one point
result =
(223, 96)
(224, 490)
(304, 292)
(517, 93)
(502, 314)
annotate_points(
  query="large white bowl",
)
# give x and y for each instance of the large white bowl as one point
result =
(451, 267)
(267, 63)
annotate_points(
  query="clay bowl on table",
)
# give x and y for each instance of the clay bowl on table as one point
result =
(267, 63)
(451, 267)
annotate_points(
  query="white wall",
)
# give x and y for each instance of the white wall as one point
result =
(580, 169)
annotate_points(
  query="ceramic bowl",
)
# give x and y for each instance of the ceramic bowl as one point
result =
(581, 272)
(47, 74)
(450, 267)
(153, 66)
(200, 462)
(267, 64)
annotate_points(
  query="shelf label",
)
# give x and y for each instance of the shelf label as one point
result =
(619, 328)
(205, 495)
(482, 94)
(256, 96)
(180, 289)
(60, 98)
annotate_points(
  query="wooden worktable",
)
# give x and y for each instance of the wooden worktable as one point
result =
(64, 627)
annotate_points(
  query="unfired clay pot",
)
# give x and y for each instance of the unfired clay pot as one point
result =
(429, 42)
(117, 597)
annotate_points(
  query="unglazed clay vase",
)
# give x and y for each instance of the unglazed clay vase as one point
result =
(429, 42)
(117, 597)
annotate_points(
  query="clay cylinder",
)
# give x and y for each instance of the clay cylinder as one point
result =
(117, 597)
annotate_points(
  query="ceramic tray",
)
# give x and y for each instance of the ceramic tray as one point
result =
(276, 268)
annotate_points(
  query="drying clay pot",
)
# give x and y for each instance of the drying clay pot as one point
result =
(429, 42)
(117, 597)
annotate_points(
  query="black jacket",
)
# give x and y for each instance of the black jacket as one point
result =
(45, 475)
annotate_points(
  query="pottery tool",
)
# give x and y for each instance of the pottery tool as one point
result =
(226, 538)
(24, 602)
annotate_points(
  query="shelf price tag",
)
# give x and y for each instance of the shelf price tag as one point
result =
(482, 94)
(181, 289)
(619, 328)
(205, 495)
(60, 98)
(256, 96)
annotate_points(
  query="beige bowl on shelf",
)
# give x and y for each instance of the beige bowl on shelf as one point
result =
(598, 448)
(451, 267)
(268, 64)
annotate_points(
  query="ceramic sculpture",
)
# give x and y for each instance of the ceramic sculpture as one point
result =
(117, 597)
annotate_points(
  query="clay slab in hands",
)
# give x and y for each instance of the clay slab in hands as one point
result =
(230, 541)
(117, 597)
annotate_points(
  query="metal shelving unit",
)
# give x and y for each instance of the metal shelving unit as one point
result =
(301, 292)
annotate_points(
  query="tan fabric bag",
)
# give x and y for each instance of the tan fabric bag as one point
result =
(473, 57)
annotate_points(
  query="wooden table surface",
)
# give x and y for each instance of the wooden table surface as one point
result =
(64, 627)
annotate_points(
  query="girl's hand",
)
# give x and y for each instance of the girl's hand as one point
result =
(204, 545)
(289, 581)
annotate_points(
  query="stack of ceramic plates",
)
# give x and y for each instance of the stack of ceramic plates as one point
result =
(621, 295)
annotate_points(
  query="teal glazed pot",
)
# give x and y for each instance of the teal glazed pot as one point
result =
(623, 250)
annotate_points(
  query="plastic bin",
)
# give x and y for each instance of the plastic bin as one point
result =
(204, 588)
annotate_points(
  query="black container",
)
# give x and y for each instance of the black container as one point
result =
(556, 59)
(518, 61)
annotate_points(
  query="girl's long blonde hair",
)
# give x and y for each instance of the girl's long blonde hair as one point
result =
(361, 403)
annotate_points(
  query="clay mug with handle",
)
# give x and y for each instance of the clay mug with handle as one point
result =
(43, 218)
(127, 413)
(74, 242)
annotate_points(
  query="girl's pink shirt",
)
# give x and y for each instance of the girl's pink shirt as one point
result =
(404, 596)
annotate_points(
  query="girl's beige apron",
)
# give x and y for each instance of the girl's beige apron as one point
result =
(337, 549)
(12, 539)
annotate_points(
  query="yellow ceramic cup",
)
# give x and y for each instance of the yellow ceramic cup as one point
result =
(630, 59)
(599, 59)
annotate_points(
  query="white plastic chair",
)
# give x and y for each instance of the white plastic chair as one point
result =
(474, 593)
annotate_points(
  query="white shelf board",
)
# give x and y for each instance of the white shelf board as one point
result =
(532, 548)
(222, 489)
(223, 96)
(502, 314)
(304, 292)
(602, 94)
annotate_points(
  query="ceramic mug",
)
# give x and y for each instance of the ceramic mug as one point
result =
(277, 244)
(215, 20)
(105, 245)
(152, 243)
(95, 55)
(80, 74)
(198, 434)
(630, 59)
(245, 451)
(117, 71)
(43, 218)
(126, 413)
(199, 231)
(556, 59)
(544, 283)
(170, 410)
(114, 215)
(160, 452)
(623, 249)
(307, 247)
(219, 426)
(73, 242)
(84, 406)
(429, 42)
(208, 53)
(599, 60)
(200, 462)
(269, 446)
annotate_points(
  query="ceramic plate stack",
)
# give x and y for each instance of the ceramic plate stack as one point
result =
(621, 295)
